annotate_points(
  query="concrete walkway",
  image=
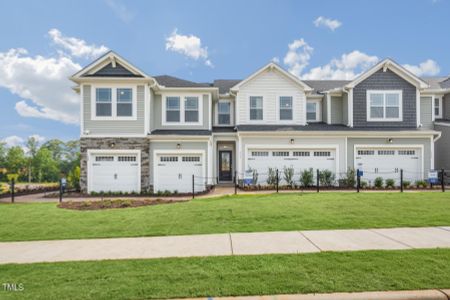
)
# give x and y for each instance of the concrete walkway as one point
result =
(225, 244)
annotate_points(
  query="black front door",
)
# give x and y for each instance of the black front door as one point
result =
(225, 173)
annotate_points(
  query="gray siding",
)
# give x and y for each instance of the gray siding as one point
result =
(384, 81)
(345, 109)
(351, 142)
(324, 110)
(336, 110)
(156, 112)
(446, 107)
(426, 112)
(442, 146)
(113, 127)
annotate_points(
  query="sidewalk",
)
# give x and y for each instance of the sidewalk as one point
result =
(225, 244)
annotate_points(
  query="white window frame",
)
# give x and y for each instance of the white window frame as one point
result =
(182, 121)
(278, 107)
(384, 92)
(113, 116)
(217, 112)
(318, 110)
(438, 116)
(250, 110)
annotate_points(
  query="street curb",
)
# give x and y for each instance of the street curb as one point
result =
(386, 295)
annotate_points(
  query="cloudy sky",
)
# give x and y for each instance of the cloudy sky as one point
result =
(44, 42)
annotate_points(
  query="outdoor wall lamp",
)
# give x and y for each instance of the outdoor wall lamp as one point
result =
(112, 145)
(178, 146)
(389, 140)
(291, 141)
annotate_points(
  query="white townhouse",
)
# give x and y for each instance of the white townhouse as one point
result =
(153, 133)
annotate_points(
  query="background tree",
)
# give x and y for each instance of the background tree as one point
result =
(46, 167)
(32, 145)
(16, 161)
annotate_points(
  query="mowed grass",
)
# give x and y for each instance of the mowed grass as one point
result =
(232, 275)
(273, 212)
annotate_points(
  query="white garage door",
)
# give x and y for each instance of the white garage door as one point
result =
(114, 173)
(387, 163)
(300, 159)
(173, 172)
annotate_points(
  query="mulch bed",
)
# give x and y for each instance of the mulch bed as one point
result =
(116, 203)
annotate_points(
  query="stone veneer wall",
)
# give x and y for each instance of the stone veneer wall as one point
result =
(142, 144)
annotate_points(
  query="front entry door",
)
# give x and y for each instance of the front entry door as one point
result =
(225, 173)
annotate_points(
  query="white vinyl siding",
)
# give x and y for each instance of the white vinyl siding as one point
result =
(270, 85)
(384, 105)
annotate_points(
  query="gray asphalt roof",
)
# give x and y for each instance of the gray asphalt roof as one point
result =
(316, 127)
(225, 85)
(325, 85)
(170, 81)
(180, 132)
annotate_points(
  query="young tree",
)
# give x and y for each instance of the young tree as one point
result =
(15, 160)
(33, 146)
(46, 167)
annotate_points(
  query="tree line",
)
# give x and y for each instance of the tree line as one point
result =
(36, 162)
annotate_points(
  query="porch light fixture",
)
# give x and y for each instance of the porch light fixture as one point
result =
(389, 140)
(178, 146)
(291, 141)
(112, 145)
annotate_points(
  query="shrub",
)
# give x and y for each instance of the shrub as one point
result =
(350, 178)
(307, 177)
(390, 183)
(106, 204)
(421, 184)
(74, 178)
(326, 178)
(288, 176)
(272, 177)
(406, 184)
(124, 203)
(363, 184)
(378, 182)
(254, 176)
(10, 177)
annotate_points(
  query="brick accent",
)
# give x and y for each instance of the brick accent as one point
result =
(142, 144)
(384, 81)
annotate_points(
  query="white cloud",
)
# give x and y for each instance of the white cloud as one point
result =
(276, 60)
(76, 46)
(426, 68)
(189, 46)
(122, 12)
(328, 23)
(347, 67)
(298, 56)
(43, 83)
(13, 140)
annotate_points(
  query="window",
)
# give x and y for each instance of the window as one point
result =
(438, 108)
(173, 109)
(103, 102)
(301, 153)
(280, 153)
(285, 108)
(384, 105)
(322, 153)
(104, 158)
(224, 113)
(311, 111)
(386, 152)
(191, 109)
(256, 108)
(169, 158)
(366, 152)
(124, 102)
(191, 158)
(126, 158)
(260, 153)
(406, 152)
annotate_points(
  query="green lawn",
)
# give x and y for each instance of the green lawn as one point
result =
(272, 212)
(231, 275)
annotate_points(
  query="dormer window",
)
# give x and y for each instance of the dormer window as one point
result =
(384, 105)
(437, 104)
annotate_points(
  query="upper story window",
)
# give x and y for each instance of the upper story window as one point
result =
(191, 109)
(437, 104)
(181, 110)
(173, 109)
(285, 108)
(124, 102)
(103, 102)
(312, 111)
(224, 112)
(113, 103)
(384, 105)
(256, 108)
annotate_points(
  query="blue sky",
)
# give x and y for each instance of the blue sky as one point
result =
(200, 41)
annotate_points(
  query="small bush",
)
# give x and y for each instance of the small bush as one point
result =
(326, 178)
(350, 178)
(421, 184)
(378, 182)
(406, 184)
(74, 178)
(390, 183)
(307, 177)
(272, 176)
(254, 176)
(106, 204)
(288, 176)
(363, 184)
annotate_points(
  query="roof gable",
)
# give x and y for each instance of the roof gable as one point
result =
(394, 67)
(273, 66)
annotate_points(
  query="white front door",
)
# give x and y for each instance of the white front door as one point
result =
(299, 159)
(110, 172)
(173, 172)
(387, 163)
